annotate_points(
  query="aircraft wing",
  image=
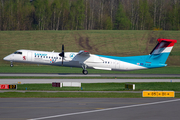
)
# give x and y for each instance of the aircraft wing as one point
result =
(82, 56)
(83, 53)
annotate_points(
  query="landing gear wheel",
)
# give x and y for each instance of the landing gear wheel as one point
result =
(11, 65)
(85, 72)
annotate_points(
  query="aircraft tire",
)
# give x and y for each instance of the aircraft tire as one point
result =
(85, 72)
(11, 65)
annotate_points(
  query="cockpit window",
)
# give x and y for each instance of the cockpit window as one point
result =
(18, 52)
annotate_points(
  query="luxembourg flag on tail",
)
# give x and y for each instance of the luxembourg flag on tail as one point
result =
(164, 46)
(162, 50)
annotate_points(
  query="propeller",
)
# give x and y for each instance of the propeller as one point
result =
(62, 54)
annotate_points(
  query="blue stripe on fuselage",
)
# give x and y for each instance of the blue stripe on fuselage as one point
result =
(131, 59)
(148, 61)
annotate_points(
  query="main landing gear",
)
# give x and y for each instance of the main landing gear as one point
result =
(11, 65)
(85, 72)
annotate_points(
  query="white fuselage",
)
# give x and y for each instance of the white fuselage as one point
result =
(71, 59)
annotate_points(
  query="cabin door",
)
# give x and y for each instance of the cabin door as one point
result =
(117, 64)
(29, 57)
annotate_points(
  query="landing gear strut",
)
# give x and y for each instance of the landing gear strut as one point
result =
(85, 72)
(11, 65)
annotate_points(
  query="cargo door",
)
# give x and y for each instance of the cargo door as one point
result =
(117, 64)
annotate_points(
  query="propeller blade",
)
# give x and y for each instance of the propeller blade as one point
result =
(62, 61)
(62, 48)
(62, 54)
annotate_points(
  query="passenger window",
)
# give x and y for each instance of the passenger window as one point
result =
(46, 56)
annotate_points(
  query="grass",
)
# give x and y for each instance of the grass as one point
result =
(89, 77)
(105, 42)
(72, 95)
(103, 87)
(89, 87)
(69, 95)
(57, 69)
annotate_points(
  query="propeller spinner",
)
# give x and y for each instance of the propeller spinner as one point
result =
(62, 54)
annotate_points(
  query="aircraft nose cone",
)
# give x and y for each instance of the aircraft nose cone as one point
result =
(6, 58)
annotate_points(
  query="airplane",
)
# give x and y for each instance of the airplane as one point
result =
(84, 59)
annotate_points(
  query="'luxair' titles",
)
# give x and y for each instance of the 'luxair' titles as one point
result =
(39, 54)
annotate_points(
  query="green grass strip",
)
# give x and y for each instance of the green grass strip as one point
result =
(60, 69)
(68, 95)
(104, 87)
(72, 95)
(97, 88)
(86, 77)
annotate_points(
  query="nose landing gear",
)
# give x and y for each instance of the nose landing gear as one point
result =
(11, 65)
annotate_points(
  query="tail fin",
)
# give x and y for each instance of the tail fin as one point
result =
(161, 52)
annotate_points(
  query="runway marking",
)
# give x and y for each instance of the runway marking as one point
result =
(100, 110)
(12, 118)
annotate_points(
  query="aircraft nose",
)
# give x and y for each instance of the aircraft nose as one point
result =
(6, 58)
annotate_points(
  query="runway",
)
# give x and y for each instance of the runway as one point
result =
(89, 75)
(89, 108)
(25, 81)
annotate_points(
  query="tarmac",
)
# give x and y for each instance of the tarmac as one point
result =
(89, 108)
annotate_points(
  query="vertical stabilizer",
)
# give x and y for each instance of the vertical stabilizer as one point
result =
(162, 50)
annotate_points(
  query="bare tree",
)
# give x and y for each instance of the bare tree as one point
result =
(112, 6)
(155, 12)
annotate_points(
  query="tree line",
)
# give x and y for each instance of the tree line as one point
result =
(89, 14)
